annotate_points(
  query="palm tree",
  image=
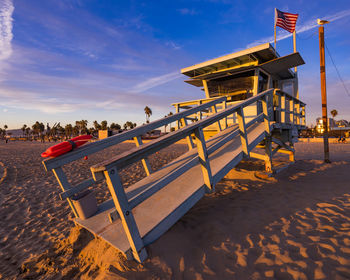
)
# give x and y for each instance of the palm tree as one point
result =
(4, 130)
(115, 126)
(97, 126)
(27, 131)
(104, 125)
(68, 130)
(24, 128)
(82, 126)
(334, 113)
(148, 113)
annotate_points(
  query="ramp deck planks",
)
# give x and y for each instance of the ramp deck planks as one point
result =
(159, 212)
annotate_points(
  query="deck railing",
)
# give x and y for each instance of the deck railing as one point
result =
(288, 109)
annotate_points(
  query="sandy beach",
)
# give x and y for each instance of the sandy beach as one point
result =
(294, 225)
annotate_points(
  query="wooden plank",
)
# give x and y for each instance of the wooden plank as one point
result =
(121, 204)
(275, 150)
(206, 90)
(64, 184)
(268, 154)
(256, 81)
(279, 142)
(222, 173)
(177, 110)
(76, 189)
(203, 159)
(121, 137)
(145, 162)
(218, 123)
(291, 109)
(257, 156)
(174, 216)
(163, 182)
(283, 109)
(224, 107)
(191, 119)
(266, 115)
(189, 137)
(297, 105)
(242, 131)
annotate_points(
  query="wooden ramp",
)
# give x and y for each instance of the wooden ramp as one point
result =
(138, 215)
(159, 212)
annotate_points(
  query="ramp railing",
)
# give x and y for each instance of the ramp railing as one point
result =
(55, 164)
(269, 101)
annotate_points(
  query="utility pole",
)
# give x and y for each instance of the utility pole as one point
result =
(323, 90)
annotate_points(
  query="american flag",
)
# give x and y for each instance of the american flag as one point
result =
(286, 20)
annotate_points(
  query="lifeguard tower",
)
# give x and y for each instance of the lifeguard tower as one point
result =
(251, 102)
(241, 75)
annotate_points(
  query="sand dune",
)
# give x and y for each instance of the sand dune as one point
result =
(295, 225)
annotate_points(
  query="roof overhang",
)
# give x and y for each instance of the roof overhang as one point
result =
(259, 54)
(281, 65)
(211, 76)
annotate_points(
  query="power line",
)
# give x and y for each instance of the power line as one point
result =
(336, 68)
(308, 37)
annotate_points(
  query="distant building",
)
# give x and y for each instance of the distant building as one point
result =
(102, 134)
(320, 127)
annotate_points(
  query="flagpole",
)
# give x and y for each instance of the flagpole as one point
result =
(295, 68)
(275, 30)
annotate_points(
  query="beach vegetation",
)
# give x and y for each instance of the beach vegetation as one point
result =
(148, 113)
(334, 113)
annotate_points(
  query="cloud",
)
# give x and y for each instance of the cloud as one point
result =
(173, 45)
(281, 35)
(6, 10)
(186, 11)
(156, 81)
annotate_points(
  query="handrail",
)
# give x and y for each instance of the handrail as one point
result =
(279, 91)
(196, 101)
(138, 153)
(119, 138)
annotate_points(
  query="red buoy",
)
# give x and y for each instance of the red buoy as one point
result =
(66, 146)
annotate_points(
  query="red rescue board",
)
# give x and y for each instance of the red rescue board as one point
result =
(66, 146)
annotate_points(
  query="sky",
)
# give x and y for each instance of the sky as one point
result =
(67, 60)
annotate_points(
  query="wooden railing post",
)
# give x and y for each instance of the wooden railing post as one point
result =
(266, 113)
(64, 184)
(145, 162)
(204, 159)
(121, 204)
(199, 112)
(177, 110)
(224, 106)
(266, 105)
(283, 108)
(218, 123)
(242, 131)
(189, 137)
(291, 111)
(298, 113)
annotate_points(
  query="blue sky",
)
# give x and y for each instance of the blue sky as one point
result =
(69, 60)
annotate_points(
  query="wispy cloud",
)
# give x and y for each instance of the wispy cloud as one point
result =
(187, 11)
(6, 10)
(156, 81)
(173, 45)
(300, 28)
